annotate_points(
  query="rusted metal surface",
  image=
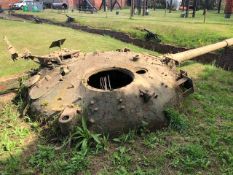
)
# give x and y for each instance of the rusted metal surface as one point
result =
(45, 60)
(69, 119)
(189, 54)
(116, 91)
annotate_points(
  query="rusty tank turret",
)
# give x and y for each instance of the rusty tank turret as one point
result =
(115, 91)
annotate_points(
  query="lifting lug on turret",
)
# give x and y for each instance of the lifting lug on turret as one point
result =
(185, 83)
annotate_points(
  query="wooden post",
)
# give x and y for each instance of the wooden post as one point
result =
(144, 8)
(194, 8)
(219, 5)
(154, 4)
(139, 6)
(132, 9)
(183, 4)
(165, 8)
(111, 5)
(205, 15)
(187, 9)
(205, 9)
(170, 7)
(104, 4)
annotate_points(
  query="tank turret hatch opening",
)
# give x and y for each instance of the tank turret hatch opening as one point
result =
(110, 79)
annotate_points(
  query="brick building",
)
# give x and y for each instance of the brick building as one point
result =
(229, 7)
(6, 3)
(74, 3)
(97, 3)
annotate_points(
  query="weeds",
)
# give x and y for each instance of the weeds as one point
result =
(194, 156)
(121, 156)
(84, 139)
(48, 161)
(151, 140)
(177, 121)
(11, 166)
(126, 138)
(188, 157)
(13, 132)
(77, 163)
(206, 117)
(22, 93)
(82, 142)
(121, 171)
(43, 156)
(9, 129)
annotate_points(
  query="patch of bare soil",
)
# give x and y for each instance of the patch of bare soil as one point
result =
(6, 98)
(7, 88)
(9, 17)
(12, 77)
(9, 82)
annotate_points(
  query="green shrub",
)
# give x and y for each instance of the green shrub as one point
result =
(176, 120)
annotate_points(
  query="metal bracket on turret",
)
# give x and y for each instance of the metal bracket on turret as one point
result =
(168, 60)
(185, 83)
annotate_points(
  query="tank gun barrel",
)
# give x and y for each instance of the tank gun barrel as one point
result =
(189, 54)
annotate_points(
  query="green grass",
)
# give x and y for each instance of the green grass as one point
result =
(187, 32)
(37, 38)
(198, 141)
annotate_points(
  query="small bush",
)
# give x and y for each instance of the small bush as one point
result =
(77, 163)
(85, 139)
(48, 161)
(121, 156)
(126, 138)
(176, 120)
(188, 157)
(43, 156)
(194, 156)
